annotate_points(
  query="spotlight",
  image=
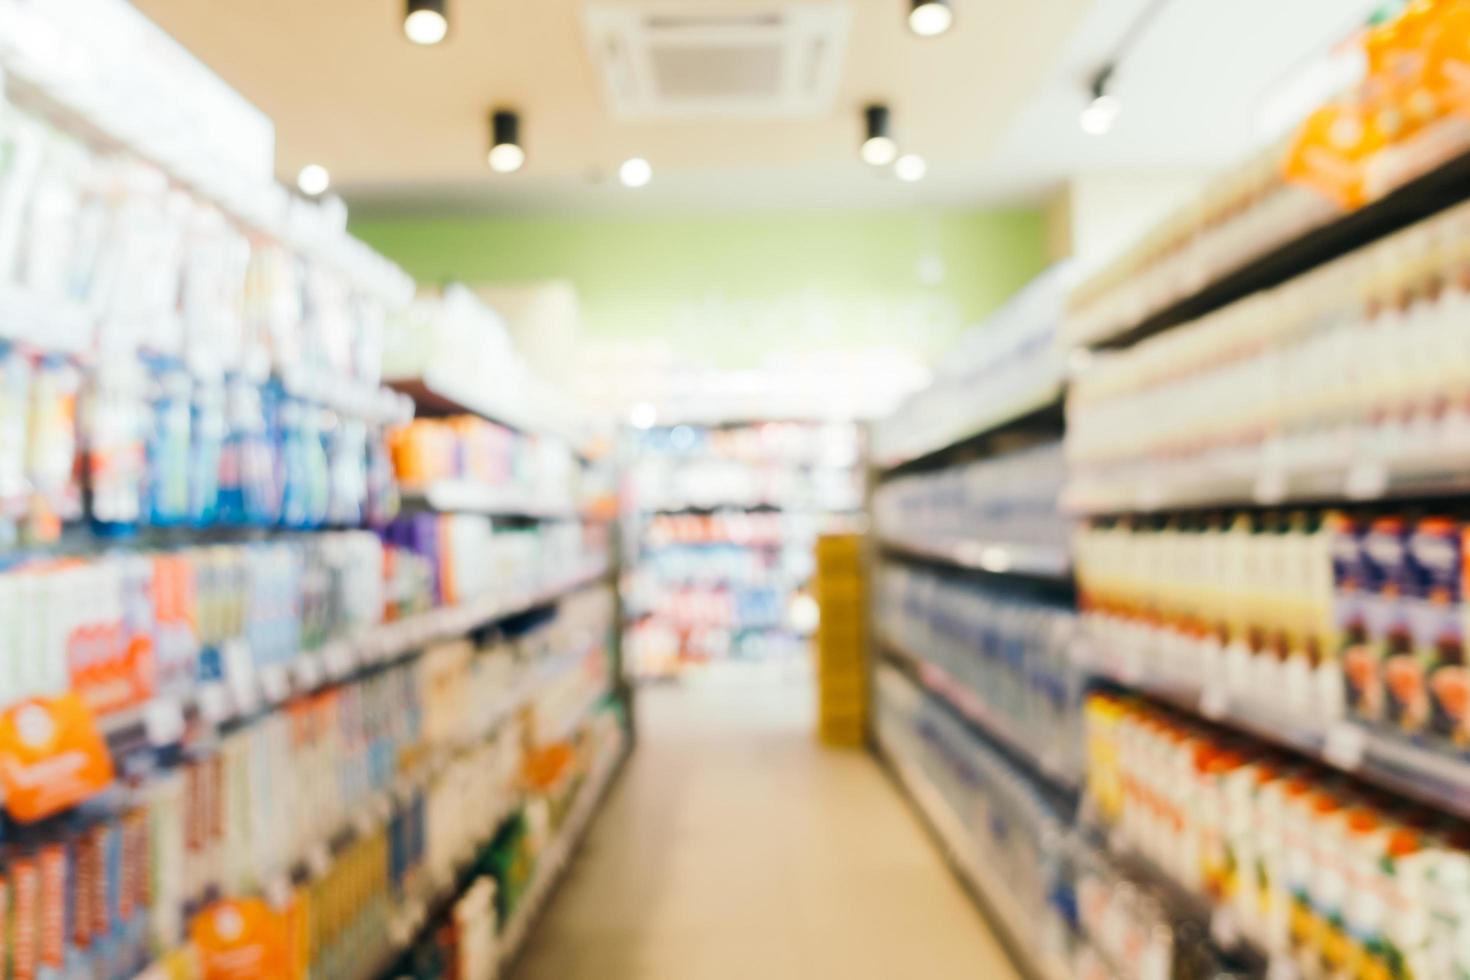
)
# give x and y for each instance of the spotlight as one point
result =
(506, 155)
(313, 180)
(878, 148)
(635, 172)
(910, 167)
(426, 21)
(930, 18)
(1099, 114)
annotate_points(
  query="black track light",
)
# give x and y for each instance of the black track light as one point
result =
(878, 147)
(426, 21)
(506, 154)
(930, 18)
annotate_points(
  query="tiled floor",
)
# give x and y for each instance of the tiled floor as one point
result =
(734, 847)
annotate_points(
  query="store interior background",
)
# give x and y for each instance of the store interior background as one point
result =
(580, 739)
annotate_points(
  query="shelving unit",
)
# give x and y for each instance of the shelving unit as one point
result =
(967, 706)
(1418, 772)
(1358, 706)
(720, 523)
(284, 660)
(998, 558)
(1416, 198)
(972, 868)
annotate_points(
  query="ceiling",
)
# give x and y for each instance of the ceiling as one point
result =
(992, 105)
(401, 125)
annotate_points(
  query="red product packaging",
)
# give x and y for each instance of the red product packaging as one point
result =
(27, 881)
(53, 861)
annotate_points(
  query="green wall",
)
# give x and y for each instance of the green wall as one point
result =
(730, 289)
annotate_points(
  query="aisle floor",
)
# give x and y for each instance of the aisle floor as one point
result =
(733, 846)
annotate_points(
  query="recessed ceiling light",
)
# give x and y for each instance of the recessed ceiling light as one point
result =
(878, 147)
(635, 172)
(426, 21)
(313, 180)
(506, 154)
(929, 18)
(910, 167)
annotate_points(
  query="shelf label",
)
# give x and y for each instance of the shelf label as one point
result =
(1223, 928)
(319, 861)
(337, 658)
(1367, 479)
(308, 666)
(163, 721)
(240, 676)
(1281, 967)
(1270, 487)
(214, 703)
(1214, 702)
(275, 683)
(1345, 745)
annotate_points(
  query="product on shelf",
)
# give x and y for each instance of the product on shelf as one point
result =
(1313, 616)
(473, 555)
(1344, 879)
(1354, 373)
(493, 463)
(378, 792)
(1408, 115)
(1005, 832)
(1009, 653)
(123, 627)
(788, 465)
(196, 375)
(453, 353)
(1009, 499)
(1004, 368)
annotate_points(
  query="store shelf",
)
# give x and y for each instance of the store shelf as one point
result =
(1397, 764)
(977, 715)
(1041, 406)
(996, 557)
(1209, 919)
(434, 395)
(1414, 199)
(553, 862)
(1362, 478)
(469, 497)
(164, 720)
(751, 507)
(972, 867)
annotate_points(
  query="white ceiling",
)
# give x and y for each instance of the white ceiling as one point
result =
(1192, 85)
(992, 105)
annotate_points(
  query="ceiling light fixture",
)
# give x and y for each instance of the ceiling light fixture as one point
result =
(878, 148)
(506, 155)
(1102, 111)
(910, 167)
(930, 18)
(635, 172)
(313, 180)
(426, 21)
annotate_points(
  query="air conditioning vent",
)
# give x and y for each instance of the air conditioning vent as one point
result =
(664, 61)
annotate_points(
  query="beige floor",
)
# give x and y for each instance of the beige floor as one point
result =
(734, 847)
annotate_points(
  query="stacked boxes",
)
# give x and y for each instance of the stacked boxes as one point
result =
(841, 640)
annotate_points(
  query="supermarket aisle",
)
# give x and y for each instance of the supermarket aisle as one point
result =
(735, 847)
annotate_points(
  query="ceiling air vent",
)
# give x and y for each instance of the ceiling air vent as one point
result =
(685, 60)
